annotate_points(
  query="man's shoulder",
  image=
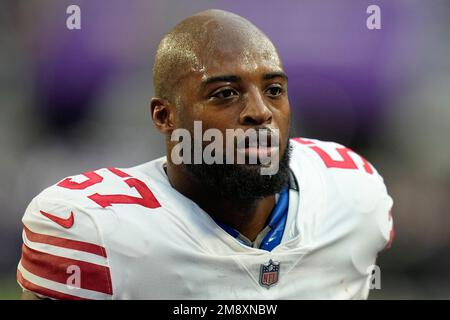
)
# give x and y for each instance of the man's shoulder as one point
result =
(349, 175)
(333, 158)
(83, 220)
(101, 187)
(76, 205)
(87, 194)
(348, 179)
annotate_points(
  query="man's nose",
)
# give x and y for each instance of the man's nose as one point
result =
(256, 111)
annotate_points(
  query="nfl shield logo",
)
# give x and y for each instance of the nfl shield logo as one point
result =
(269, 273)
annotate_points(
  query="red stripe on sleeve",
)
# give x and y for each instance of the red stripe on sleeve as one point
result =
(65, 243)
(303, 140)
(119, 172)
(92, 276)
(44, 291)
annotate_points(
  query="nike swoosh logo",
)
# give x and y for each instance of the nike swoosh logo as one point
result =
(65, 223)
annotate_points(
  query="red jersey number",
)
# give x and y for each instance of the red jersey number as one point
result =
(146, 199)
(346, 162)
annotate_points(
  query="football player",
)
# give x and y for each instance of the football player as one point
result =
(160, 230)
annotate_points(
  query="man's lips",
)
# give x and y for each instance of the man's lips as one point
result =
(258, 148)
(256, 142)
(258, 152)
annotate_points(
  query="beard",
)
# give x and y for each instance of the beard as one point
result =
(242, 181)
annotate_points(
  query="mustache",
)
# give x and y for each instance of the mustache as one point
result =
(260, 138)
(257, 137)
(251, 138)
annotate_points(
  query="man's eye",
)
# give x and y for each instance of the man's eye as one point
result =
(274, 91)
(224, 94)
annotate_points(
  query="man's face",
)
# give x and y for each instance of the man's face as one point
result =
(237, 88)
(236, 91)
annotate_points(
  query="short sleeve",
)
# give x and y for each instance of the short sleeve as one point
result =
(62, 253)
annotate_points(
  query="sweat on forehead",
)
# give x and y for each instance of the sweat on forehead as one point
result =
(200, 40)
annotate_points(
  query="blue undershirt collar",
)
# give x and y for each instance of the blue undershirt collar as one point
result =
(273, 232)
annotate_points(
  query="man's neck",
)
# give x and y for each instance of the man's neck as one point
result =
(246, 216)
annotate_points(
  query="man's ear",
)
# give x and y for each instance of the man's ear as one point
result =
(162, 113)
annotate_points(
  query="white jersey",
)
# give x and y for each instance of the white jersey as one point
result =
(127, 234)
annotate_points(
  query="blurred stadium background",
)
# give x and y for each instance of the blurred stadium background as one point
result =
(78, 100)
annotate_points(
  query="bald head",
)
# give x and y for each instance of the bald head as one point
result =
(203, 41)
